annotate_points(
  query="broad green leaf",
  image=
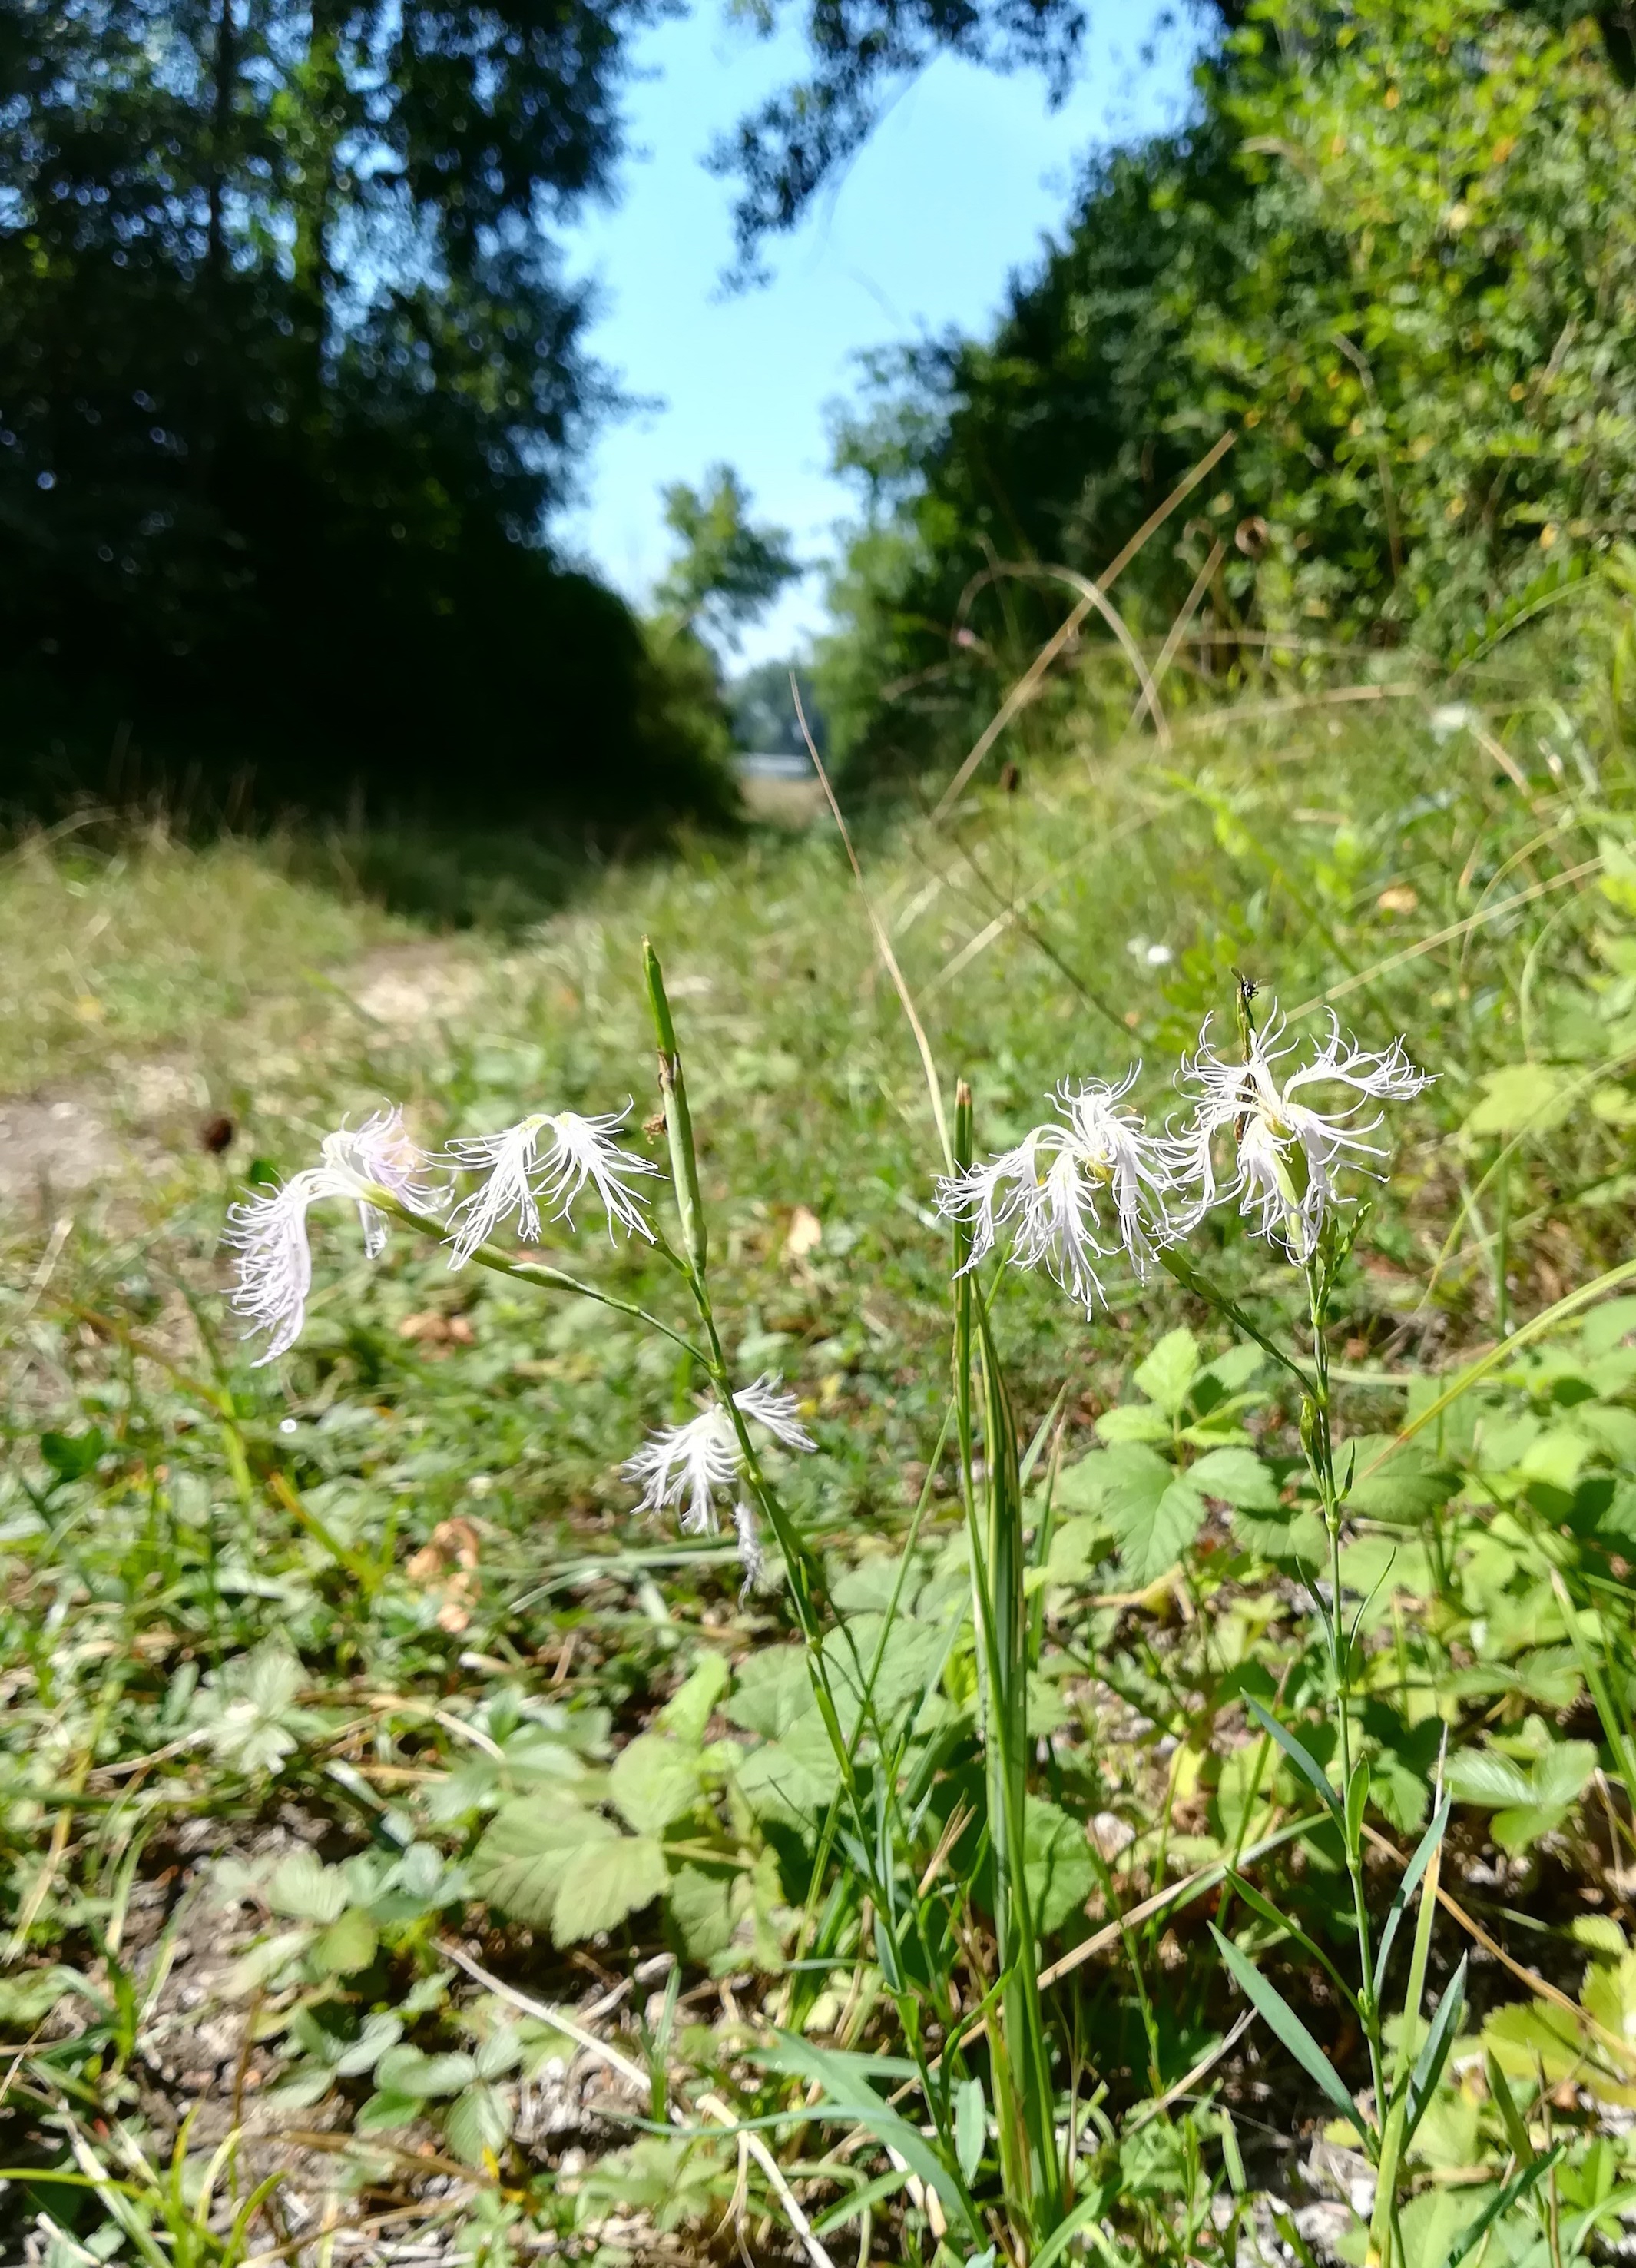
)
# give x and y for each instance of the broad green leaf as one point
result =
(606, 1882)
(1284, 2021)
(501, 2053)
(654, 1780)
(1133, 1421)
(1076, 1547)
(1234, 1368)
(1154, 1514)
(1238, 1478)
(304, 1888)
(1500, 2204)
(792, 1779)
(700, 1905)
(1481, 1775)
(1288, 1534)
(1606, 1326)
(1057, 1864)
(1538, 1096)
(479, 2123)
(772, 1691)
(363, 2053)
(347, 1945)
(383, 2111)
(689, 1709)
(1562, 1770)
(1170, 1371)
(908, 1654)
(530, 1846)
(1407, 1490)
(405, 2070)
(970, 2126)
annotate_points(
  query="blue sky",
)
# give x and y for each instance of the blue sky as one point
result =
(955, 188)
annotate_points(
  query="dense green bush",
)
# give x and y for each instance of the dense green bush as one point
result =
(1395, 252)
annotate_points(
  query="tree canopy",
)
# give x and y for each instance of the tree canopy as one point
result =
(290, 379)
(1394, 256)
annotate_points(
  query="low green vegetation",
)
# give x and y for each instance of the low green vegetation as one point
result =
(405, 1837)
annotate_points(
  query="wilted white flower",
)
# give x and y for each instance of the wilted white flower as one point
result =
(685, 1469)
(1050, 1191)
(1286, 1153)
(581, 1152)
(270, 1229)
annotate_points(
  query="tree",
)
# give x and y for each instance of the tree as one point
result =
(729, 571)
(864, 52)
(290, 380)
(1399, 269)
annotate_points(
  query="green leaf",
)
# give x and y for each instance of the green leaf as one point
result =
(1305, 1763)
(1238, 1478)
(1481, 1775)
(384, 2111)
(606, 1882)
(1154, 1511)
(1538, 1096)
(1406, 1888)
(1284, 2021)
(850, 2096)
(1290, 1534)
(1605, 1326)
(1434, 2052)
(72, 1456)
(1057, 1864)
(654, 1780)
(690, 1708)
(407, 2071)
(347, 1945)
(1500, 2204)
(1170, 1371)
(792, 1779)
(1133, 1421)
(1234, 1368)
(970, 2126)
(772, 1691)
(363, 2053)
(529, 1846)
(1407, 1490)
(700, 1905)
(1562, 1771)
(479, 2123)
(304, 1888)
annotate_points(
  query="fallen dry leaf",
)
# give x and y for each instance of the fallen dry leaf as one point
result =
(805, 1234)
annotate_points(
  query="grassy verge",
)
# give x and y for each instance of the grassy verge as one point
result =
(298, 1659)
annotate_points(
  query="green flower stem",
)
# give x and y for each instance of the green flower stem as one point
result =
(537, 1271)
(1317, 1439)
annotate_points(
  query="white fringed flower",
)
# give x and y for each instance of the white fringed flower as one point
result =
(1286, 1153)
(269, 1230)
(1051, 1192)
(687, 1468)
(581, 1152)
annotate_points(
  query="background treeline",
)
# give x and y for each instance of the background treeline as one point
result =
(1394, 252)
(289, 385)
(292, 384)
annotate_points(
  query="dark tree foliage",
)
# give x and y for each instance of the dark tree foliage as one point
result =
(289, 381)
